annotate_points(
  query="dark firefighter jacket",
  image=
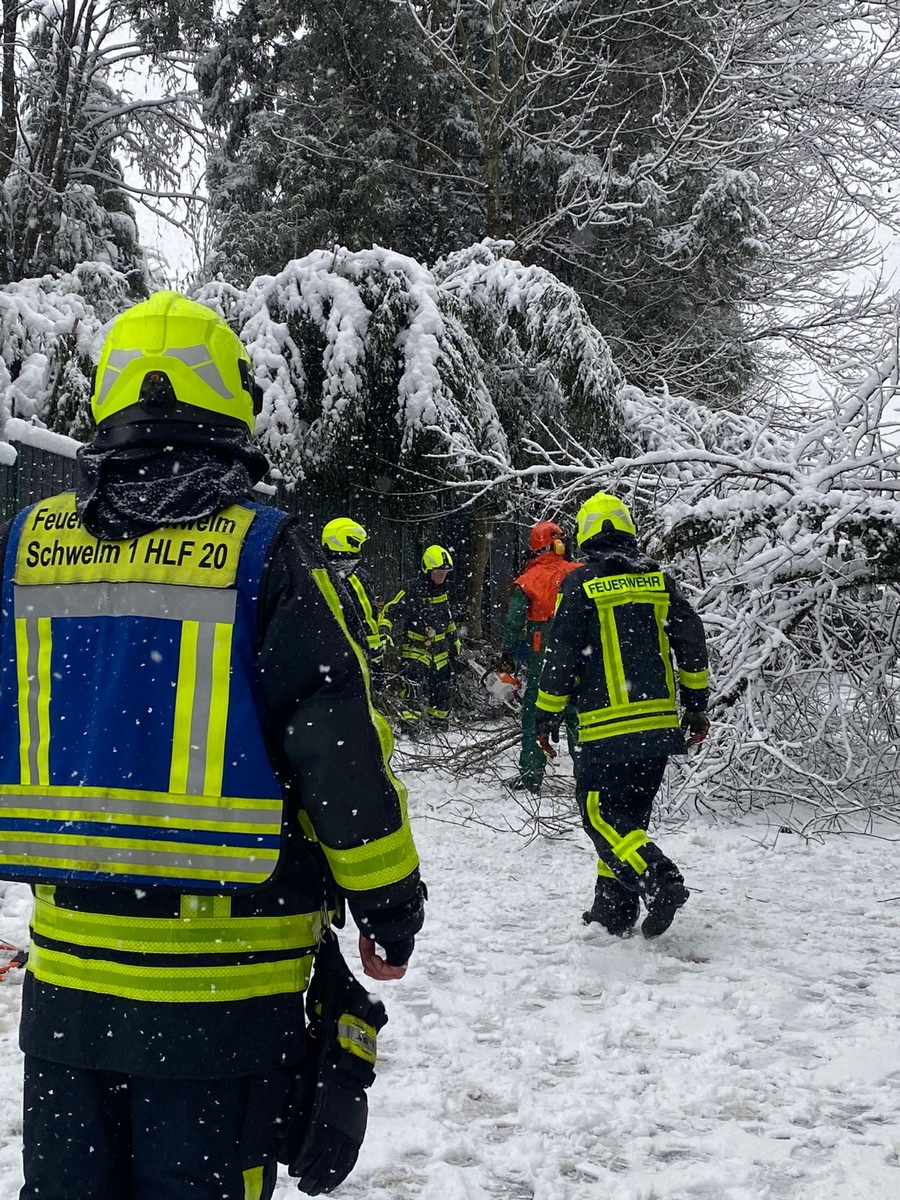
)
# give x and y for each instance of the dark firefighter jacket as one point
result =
(202, 984)
(422, 611)
(609, 652)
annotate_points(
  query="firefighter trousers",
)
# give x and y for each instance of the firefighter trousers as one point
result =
(99, 1135)
(532, 760)
(615, 801)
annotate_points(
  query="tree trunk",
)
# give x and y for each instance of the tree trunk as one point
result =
(8, 86)
(479, 554)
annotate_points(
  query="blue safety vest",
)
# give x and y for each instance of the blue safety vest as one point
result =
(131, 721)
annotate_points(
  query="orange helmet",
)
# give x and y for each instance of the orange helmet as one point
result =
(544, 534)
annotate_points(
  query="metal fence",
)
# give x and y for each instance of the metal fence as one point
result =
(394, 545)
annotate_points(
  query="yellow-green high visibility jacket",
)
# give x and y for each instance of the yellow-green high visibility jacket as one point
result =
(609, 652)
(361, 591)
(139, 702)
(422, 612)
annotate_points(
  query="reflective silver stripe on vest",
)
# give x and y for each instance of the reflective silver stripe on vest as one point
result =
(179, 861)
(98, 808)
(167, 601)
(201, 708)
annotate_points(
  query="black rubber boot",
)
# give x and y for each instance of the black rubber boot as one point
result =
(614, 907)
(669, 896)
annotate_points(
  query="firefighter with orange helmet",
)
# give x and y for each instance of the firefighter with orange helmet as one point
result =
(528, 615)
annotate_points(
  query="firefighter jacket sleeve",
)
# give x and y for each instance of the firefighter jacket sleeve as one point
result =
(515, 621)
(393, 617)
(329, 743)
(688, 641)
(563, 653)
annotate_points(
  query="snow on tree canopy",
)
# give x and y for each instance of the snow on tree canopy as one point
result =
(51, 330)
(528, 318)
(360, 350)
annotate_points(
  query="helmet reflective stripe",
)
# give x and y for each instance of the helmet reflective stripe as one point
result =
(204, 361)
(116, 363)
(344, 536)
(436, 558)
(599, 509)
(196, 358)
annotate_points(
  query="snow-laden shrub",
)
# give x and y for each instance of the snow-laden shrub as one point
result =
(51, 330)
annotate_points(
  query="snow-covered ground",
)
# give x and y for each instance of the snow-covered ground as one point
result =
(751, 1053)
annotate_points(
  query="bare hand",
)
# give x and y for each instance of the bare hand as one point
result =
(374, 965)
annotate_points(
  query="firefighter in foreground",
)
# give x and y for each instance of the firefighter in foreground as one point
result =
(609, 653)
(529, 612)
(342, 542)
(189, 769)
(430, 647)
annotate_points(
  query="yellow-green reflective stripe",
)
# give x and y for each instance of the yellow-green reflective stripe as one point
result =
(625, 848)
(413, 655)
(357, 1037)
(253, 1183)
(191, 907)
(24, 675)
(43, 700)
(640, 708)
(694, 679)
(604, 870)
(178, 935)
(218, 710)
(184, 985)
(547, 702)
(33, 649)
(366, 606)
(378, 863)
(184, 707)
(661, 610)
(382, 728)
(614, 670)
(640, 725)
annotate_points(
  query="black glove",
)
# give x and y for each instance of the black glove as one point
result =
(458, 664)
(695, 726)
(329, 1113)
(548, 723)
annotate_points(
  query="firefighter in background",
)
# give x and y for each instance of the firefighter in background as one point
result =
(528, 615)
(420, 619)
(191, 788)
(342, 542)
(609, 653)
